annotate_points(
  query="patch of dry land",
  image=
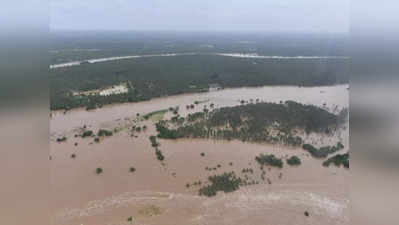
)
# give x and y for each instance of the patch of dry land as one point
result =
(109, 168)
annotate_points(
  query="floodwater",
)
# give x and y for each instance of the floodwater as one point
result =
(330, 97)
(157, 194)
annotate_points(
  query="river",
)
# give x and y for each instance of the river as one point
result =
(157, 194)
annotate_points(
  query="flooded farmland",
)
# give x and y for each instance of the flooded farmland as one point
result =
(157, 193)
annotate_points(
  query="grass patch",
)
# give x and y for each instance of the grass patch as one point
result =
(150, 210)
(156, 116)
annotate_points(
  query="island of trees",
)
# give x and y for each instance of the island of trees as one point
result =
(261, 122)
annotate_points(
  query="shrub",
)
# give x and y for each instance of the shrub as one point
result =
(338, 160)
(270, 160)
(87, 133)
(202, 154)
(159, 154)
(322, 152)
(103, 132)
(132, 169)
(73, 156)
(61, 139)
(154, 142)
(226, 182)
(99, 170)
(294, 161)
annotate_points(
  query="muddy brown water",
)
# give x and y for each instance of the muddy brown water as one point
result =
(83, 197)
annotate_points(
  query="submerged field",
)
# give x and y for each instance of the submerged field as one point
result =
(117, 177)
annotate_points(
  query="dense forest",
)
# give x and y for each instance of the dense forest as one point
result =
(163, 76)
(260, 122)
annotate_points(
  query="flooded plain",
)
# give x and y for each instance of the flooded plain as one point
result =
(157, 193)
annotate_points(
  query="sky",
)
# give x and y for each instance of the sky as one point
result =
(202, 15)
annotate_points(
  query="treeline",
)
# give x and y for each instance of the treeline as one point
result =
(261, 122)
(106, 44)
(163, 76)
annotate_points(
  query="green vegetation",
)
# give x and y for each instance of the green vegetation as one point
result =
(164, 132)
(87, 133)
(260, 122)
(294, 161)
(159, 154)
(164, 76)
(338, 160)
(226, 182)
(154, 142)
(103, 132)
(99, 170)
(269, 160)
(62, 139)
(322, 152)
(130, 219)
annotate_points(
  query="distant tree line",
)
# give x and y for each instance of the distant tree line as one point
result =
(260, 122)
(164, 76)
